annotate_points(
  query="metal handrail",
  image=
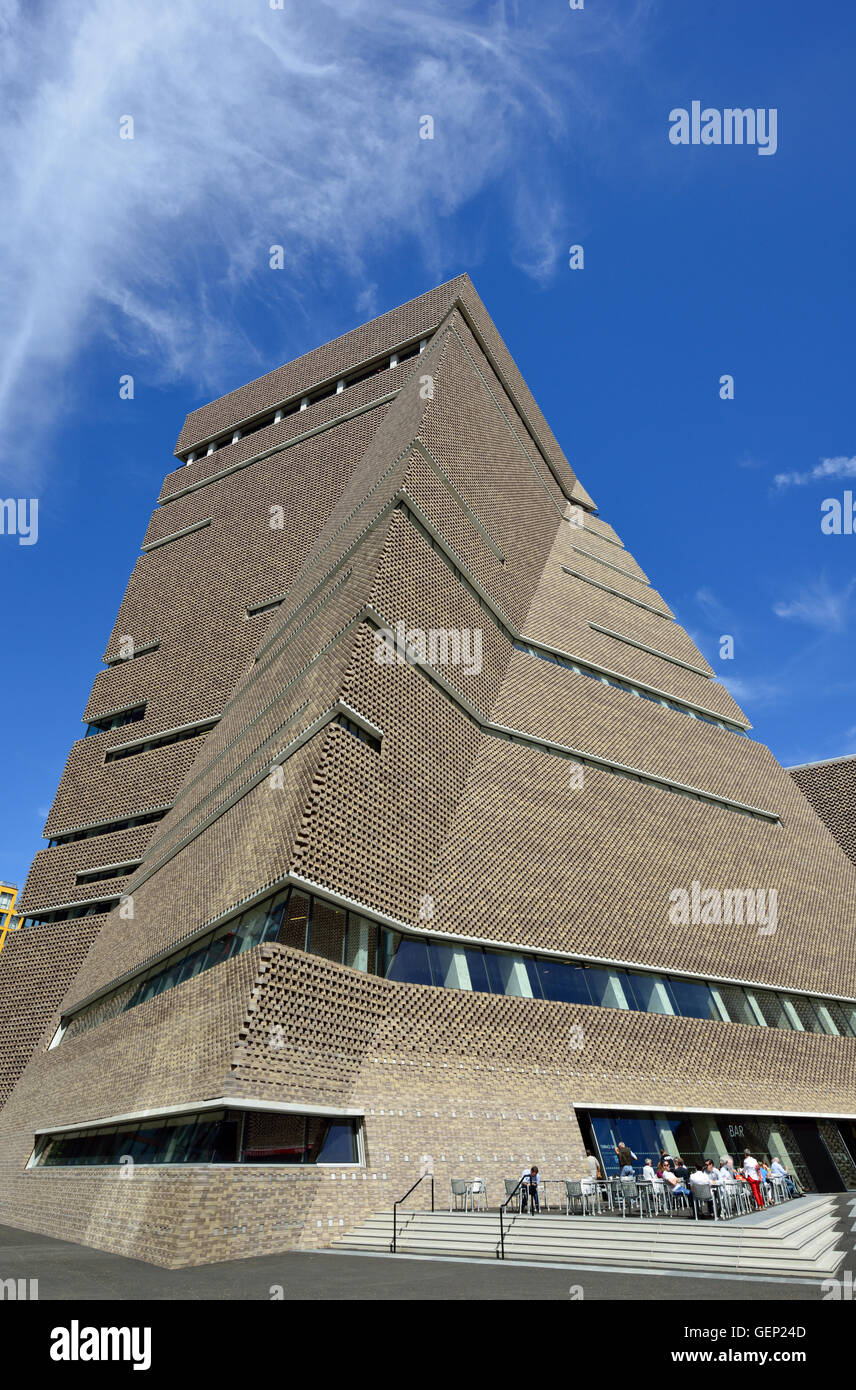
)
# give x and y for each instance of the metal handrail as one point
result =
(500, 1254)
(394, 1246)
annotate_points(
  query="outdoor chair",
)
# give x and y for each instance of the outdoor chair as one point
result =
(479, 1194)
(575, 1192)
(674, 1200)
(510, 1185)
(629, 1194)
(704, 1192)
(458, 1190)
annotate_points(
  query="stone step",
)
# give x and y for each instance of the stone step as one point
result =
(800, 1240)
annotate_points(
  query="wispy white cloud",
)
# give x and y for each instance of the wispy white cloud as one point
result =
(253, 127)
(819, 606)
(753, 690)
(840, 467)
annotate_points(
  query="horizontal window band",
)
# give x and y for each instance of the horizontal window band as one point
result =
(112, 719)
(176, 535)
(613, 678)
(303, 921)
(652, 651)
(382, 919)
(616, 593)
(609, 565)
(66, 912)
(107, 827)
(320, 390)
(257, 608)
(106, 871)
(166, 1112)
(138, 651)
(160, 740)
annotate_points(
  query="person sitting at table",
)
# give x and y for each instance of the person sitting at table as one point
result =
(672, 1181)
(531, 1182)
(778, 1170)
(726, 1169)
(648, 1172)
(699, 1181)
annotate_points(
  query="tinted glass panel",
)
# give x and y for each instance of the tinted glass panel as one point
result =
(693, 999)
(450, 966)
(360, 943)
(327, 931)
(410, 963)
(508, 975)
(736, 1004)
(651, 994)
(477, 967)
(339, 1145)
(563, 981)
(607, 989)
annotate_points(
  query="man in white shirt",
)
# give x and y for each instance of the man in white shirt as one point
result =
(726, 1169)
(753, 1177)
(700, 1189)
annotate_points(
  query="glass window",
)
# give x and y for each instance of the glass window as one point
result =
(564, 981)
(410, 963)
(274, 917)
(327, 931)
(360, 951)
(339, 1144)
(295, 920)
(737, 1005)
(508, 974)
(692, 999)
(449, 966)
(772, 1008)
(805, 1013)
(607, 988)
(477, 967)
(651, 994)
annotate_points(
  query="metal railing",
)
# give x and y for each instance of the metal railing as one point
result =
(393, 1249)
(500, 1254)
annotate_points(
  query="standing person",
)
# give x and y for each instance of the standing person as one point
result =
(531, 1183)
(593, 1166)
(626, 1158)
(752, 1172)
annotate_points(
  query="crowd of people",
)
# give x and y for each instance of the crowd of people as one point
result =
(672, 1171)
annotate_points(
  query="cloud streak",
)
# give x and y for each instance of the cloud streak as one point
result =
(255, 127)
(840, 467)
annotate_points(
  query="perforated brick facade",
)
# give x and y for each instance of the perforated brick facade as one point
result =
(433, 495)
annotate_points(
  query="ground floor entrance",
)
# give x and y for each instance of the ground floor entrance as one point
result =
(820, 1153)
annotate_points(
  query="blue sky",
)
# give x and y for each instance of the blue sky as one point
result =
(299, 127)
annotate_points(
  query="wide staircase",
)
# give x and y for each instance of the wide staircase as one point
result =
(801, 1239)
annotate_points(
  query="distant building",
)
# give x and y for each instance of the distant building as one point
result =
(10, 920)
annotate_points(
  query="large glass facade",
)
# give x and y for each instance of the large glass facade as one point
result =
(296, 919)
(210, 1136)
